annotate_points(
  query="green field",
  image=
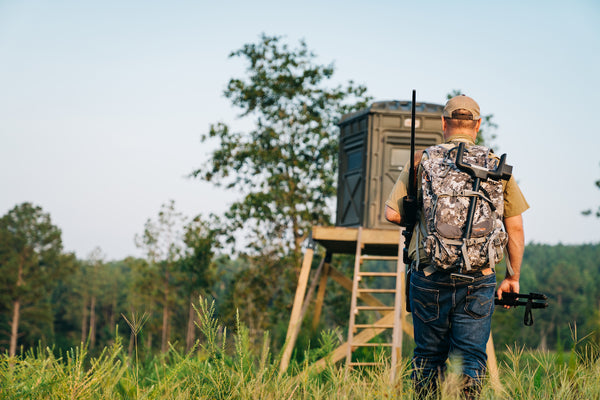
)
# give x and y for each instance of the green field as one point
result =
(228, 366)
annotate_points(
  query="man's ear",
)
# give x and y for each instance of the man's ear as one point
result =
(478, 125)
(444, 124)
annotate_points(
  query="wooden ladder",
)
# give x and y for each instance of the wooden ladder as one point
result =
(359, 287)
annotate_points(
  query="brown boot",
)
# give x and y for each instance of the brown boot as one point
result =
(471, 388)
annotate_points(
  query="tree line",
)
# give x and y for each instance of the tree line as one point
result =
(570, 276)
(51, 297)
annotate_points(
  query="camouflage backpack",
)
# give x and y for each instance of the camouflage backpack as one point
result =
(446, 196)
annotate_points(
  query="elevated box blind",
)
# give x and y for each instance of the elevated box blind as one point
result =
(374, 147)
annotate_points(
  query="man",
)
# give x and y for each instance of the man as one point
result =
(452, 309)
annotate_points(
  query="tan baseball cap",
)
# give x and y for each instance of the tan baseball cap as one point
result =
(455, 108)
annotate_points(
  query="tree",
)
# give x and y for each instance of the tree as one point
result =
(285, 167)
(115, 286)
(162, 241)
(196, 269)
(589, 211)
(94, 265)
(142, 298)
(88, 302)
(30, 252)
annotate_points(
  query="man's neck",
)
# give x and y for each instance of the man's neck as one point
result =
(460, 137)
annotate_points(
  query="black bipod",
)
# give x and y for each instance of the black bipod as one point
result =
(502, 171)
(534, 300)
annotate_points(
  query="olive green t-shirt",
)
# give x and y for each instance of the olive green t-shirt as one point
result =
(514, 201)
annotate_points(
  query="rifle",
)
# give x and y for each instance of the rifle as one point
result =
(534, 300)
(409, 203)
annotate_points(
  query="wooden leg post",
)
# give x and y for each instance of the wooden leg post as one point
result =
(399, 306)
(295, 318)
(493, 365)
(321, 292)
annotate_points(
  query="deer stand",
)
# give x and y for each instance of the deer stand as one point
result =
(367, 245)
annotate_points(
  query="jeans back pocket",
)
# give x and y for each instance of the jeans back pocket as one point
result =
(480, 300)
(425, 303)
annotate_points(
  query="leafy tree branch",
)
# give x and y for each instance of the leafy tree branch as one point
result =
(284, 167)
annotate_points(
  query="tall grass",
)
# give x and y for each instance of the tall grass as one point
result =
(225, 366)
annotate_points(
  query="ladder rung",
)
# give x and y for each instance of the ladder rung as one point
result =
(372, 345)
(389, 258)
(364, 364)
(377, 290)
(391, 274)
(363, 326)
(375, 308)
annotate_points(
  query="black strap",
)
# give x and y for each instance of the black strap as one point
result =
(528, 317)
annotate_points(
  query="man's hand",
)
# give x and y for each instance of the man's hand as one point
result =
(508, 285)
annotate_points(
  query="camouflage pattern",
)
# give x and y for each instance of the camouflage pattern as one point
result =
(446, 196)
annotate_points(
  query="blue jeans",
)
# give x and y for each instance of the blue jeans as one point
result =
(450, 315)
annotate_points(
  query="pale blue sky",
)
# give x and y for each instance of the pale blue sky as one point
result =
(102, 103)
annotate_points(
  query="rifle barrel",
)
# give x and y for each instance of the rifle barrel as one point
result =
(411, 172)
